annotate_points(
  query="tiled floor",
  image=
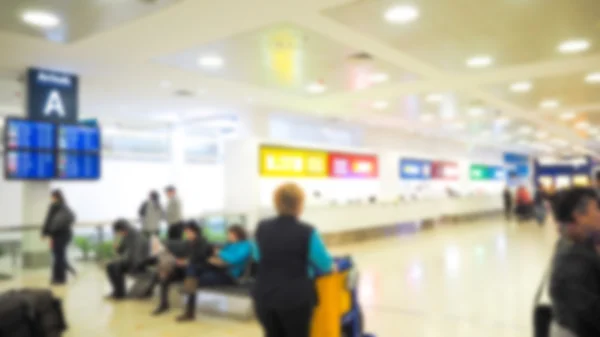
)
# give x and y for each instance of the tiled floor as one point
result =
(475, 279)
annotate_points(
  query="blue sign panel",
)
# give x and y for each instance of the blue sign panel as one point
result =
(515, 158)
(78, 138)
(79, 166)
(565, 166)
(29, 165)
(496, 173)
(415, 169)
(52, 96)
(32, 135)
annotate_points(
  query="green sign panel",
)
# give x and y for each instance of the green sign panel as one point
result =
(478, 172)
(484, 172)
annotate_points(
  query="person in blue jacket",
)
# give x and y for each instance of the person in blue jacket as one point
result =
(289, 253)
(225, 267)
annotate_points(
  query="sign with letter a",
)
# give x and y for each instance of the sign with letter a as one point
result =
(52, 96)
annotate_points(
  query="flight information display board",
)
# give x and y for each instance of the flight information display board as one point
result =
(78, 166)
(37, 150)
(78, 138)
(32, 135)
(29, 165)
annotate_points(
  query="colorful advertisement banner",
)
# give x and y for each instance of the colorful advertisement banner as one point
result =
(415, 169)
(444, 170)
(346, 165)
(290, 162)
(283, 162)
(484, 172)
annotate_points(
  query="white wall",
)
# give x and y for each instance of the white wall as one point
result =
(125, 184)
(11, 200)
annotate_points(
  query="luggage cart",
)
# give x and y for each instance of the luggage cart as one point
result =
(339, 301)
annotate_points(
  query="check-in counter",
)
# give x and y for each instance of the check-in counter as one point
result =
(352, 217)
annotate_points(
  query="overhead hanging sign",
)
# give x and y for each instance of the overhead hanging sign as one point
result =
(307, 163)
(415, 169)
(290, 162)
(444, 170)
(52, 96)
(485, 172)
(346, 165)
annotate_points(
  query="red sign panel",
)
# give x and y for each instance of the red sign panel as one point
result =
(345, 165)
(444, 170)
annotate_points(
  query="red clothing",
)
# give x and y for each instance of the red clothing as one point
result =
(523, 196)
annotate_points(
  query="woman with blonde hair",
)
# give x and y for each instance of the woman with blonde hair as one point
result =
(289, 252)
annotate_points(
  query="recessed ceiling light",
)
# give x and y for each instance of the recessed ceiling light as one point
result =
(379, 77)
(479, 61)
(211, 62)
(567, 116)
(380, 105)
(573, 46)
(476, 111)
(401, 14)
(582, 125)
(434, 98)
(521, 86)
(549, 104)
(165, 84)
(316, 88)
(593, 78)
(502, 121)
(41, 19)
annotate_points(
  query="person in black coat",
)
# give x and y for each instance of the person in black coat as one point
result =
(196, 255)
(133, 249)
(58, 227)
(508, 202)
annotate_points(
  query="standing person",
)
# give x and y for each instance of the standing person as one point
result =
(597, 182)
(575, 274)
(539, 204)
(508, 203)
(58, 227)
(151, 214)
(174, 214)
(287, 251)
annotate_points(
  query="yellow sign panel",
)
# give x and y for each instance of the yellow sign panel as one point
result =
(289, 162)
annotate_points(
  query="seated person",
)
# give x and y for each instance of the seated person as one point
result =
(196, 255)
(225, 267)
(133, 251)
(575, 274)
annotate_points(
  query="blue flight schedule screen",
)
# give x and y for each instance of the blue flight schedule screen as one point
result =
(78, 166)
(33, 135)
(29, 165)
(79, 138)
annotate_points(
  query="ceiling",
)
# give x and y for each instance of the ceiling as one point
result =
(161, 60)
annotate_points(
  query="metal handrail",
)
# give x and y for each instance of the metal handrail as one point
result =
(95, 224)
